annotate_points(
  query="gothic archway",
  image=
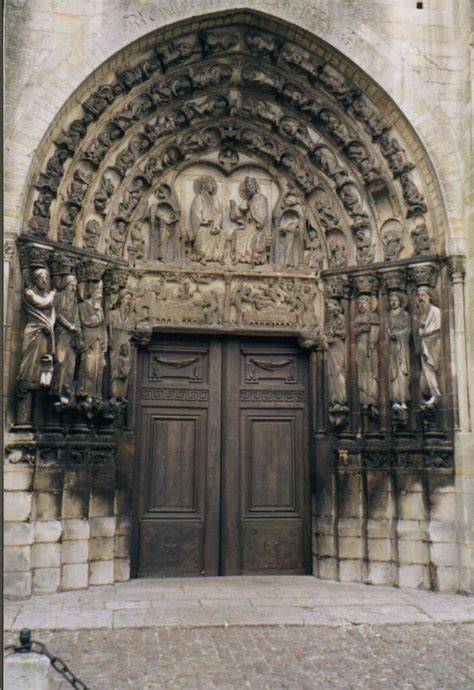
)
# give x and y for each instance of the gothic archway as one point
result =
(239, 176)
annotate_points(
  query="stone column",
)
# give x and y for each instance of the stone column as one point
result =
(8, 251)
(456, 273)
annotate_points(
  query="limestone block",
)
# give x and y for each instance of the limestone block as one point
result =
(381, 573)
(122, 546)
(18, 478)
(17, 558)
(102, 526)
(413, 576)
(380, 506)
(380, 549)
(121, 569)
(17, 506)
(101, 504)
(123, 525)
(49, 531)
(350, 504)
(443, 506)
(46, 580)
(350, 571)
(448, 579)
(442, 531)
(18, 533)
(17, 584)
(325, 524)
(350, 527)
(445, 554)
(380, 529)
(412, 552)
(408, 483)
(101, 549)
(412, 530)
(76, 528)
(26, 671)
(76, 551)
(327, 568)
(411, 506)
(75, 504)
(47, 505)
(75, 576)
(46, 555)
(101, 572)
(326, 545)
(351, 547)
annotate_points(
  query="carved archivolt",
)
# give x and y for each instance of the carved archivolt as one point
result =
(230, 180)
(231, 91)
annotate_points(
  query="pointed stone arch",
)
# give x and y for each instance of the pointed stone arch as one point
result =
(237, 96)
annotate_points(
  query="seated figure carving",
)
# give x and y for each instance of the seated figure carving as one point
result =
(249, 240)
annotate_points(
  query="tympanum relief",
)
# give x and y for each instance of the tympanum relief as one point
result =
(234, 172)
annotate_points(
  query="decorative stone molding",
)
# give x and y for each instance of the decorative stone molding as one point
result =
(424, 275)
(457, 268)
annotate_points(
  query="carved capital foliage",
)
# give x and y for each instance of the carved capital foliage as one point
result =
(33, 256)
(62, 264)
(115, 279)
(336, 287)
(366, 284)
(394, 280)
(90, 271)
(457, 268)
(425, 275)
(8, 250)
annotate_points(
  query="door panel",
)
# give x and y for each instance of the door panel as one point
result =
(179, 450)
(223, 458)
(265, 502)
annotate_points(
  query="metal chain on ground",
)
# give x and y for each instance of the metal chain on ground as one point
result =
(28, 645)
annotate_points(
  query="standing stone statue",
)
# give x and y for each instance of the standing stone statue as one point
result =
(206, 221)
(68, 335)
(399, 329)
(429, 332)
(249, 238)
(165, 231)
(120, 327)
(94, 346)
(336, 361)
(36, 364)
(367, 330)
(38, 337)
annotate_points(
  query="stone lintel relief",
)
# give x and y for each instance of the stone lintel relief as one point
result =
(225, 302)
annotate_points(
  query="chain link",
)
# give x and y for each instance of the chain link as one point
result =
(28, 645)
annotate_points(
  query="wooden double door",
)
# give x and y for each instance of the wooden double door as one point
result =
(222, 458)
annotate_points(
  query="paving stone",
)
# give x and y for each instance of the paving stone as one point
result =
(341, 657)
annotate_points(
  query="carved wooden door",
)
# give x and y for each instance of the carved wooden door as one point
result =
(222, 440)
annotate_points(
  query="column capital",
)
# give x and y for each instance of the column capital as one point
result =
(457, 268)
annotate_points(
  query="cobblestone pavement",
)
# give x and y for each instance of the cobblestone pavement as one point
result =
(266, 633)
(270, 658)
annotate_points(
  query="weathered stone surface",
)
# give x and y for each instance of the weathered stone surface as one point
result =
(18, 534)
(75, 576)
(46, 580)
(26, 671)
(49, 531)
(17, 506)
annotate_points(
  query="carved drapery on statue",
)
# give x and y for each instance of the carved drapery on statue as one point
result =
(233, 173)
(68, 339)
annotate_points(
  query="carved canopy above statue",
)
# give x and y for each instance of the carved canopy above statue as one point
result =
(240, 178)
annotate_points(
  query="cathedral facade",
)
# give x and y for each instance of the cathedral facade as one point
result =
(238, 292)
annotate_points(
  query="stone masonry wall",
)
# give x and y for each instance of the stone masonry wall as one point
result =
(64, 529)
(61, 530)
